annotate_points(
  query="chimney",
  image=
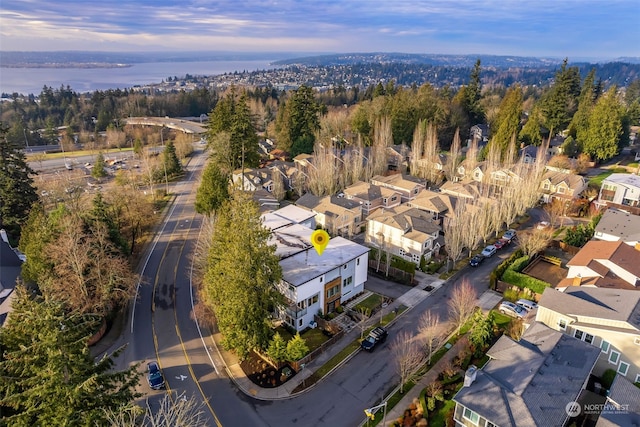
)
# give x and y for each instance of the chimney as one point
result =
(470, 376)
(637, 246)
(577, 280)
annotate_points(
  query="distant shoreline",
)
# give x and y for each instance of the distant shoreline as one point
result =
(66, 65)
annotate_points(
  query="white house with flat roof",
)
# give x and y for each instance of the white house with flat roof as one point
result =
(621, 189)
(313, 283)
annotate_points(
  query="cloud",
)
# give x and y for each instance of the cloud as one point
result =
(541, 27)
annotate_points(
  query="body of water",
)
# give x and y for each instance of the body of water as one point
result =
(32, 80)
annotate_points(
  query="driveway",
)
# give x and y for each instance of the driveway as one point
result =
(386, 287)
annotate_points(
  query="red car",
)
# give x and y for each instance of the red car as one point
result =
(501, 243)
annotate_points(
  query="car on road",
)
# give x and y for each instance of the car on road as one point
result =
(476, 260)
(499, 244)
(526, 304)
(509, 234)
(489, 251)
(511, 309)
(377, 335)
(542, 225)
(154, 376)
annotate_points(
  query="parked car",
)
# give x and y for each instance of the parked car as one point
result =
(509, 234)
(511, 309)
(499, 244)
(526, 304)
(476, 260)
(154, 376)
(377, 335)
(542, 225)
(489, 251)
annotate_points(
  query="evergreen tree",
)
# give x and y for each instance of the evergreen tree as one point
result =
(530, 132)
(242, 273)
(508, 119)
(297, 348)
(170, 160)
(54, 379)
(17, 193)
(298, 122)
(277, 350)
(579, 125)
(103, 212)
(471, 95)
(37, 233)
(98, 171)
(606, 128)
(560, 102)
(232, 133)
(213, 190)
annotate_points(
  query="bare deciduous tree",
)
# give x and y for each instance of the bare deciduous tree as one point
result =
(325, 174)
(408, 356)
(535, 240)
(170, 412)
(432, 332)
(454, 233)
(453, 160)
(462, 304)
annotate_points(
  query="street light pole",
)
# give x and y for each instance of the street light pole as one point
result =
(371, 415)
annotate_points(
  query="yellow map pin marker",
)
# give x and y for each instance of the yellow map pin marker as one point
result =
(320, 240)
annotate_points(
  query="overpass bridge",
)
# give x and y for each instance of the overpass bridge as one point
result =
(185, 126)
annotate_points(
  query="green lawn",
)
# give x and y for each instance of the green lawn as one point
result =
(369, 303)
(439, 417)
(314, 338)
(502, 320)
(597, 180)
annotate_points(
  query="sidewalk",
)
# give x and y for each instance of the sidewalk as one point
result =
(285, 391)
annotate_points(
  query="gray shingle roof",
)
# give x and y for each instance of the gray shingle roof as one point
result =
(528, 383)
(613, 304)
(620, 224)
(624, 401)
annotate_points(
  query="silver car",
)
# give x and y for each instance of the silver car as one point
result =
(513, 310)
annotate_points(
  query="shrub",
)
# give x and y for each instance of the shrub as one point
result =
(502, 267)
(520, 263)
(523, 281)
(510, 295)
(402, 264)
(608, 377)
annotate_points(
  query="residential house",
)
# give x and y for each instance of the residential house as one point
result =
(404, 231)
(616, 225)
(265, 200)
(406, 185)
(313, 283)
(604, 265)
(462, 190)
(480, 133)
(561, 186)
(372, 197)
(622, 407)
(287, 215)
(608, 319)
(620, 189)
(339, 216)
(555, 146)
(529, 154)
(251, 179)
(438, 204)
(526, 382)
(398, 157)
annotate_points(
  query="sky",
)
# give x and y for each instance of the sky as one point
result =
(578, 29)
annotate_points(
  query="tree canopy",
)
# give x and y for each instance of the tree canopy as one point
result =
(298, 121)
(242, 274)
(213, 190)
(17, 193)
(54, 378)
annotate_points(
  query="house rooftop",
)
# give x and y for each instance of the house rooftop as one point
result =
(612, 304)
(624, 179)
(528, 382)
(405, 182)
(305, 264)
(623, 405)
(621, 224)
(619, 253)
(286, 215)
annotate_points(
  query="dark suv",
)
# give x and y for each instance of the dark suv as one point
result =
(378, 334)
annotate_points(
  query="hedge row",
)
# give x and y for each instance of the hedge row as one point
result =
(523, 281)
(502, 267)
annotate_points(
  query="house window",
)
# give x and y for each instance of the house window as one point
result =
(347, 281)
(614, 357)
(562, 324)
(637, 378)
(469, 415)
(313, 300)
(588, 338)
(333, 291)
(394, 198)
(300, 322)
(623, 368)
(302, 304)
(344, 267)
(401, 252)
(545, 186)
(292, 288)
(578, 334)
(636, 340)
(384, 200)
(416, 258)
(604, 345)
(358, 261)
(321, 280)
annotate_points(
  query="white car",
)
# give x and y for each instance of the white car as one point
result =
(489, 251)
(513, 310)
(509, 234)
(526, 304)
